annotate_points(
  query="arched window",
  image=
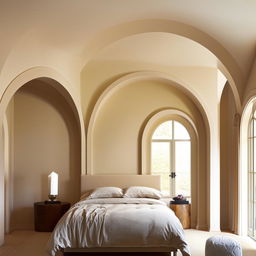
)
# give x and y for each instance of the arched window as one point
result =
(171, 158)
(252, 175)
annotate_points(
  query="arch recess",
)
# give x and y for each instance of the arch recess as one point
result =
(226, 64)
(212, 221)
(123, 81)
(61, 84)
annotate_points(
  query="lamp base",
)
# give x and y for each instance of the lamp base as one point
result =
(52, 200)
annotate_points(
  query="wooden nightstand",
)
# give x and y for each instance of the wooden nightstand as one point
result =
(47, 215)
(182, 211)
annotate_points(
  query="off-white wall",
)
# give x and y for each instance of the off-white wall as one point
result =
(46, 138)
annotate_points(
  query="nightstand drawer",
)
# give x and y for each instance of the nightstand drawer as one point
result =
(47, 215)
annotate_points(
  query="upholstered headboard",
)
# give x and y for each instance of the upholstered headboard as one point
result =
(89, 182)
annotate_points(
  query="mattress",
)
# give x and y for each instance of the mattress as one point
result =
(118, 222)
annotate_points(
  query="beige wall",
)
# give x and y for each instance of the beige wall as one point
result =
(46, 138)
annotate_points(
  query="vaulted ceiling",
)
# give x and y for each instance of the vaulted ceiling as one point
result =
(67, 30)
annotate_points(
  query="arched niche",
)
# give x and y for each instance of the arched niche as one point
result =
(226, 63)
(123, 81)
(53, 81)
(95, 124)
(59, 82)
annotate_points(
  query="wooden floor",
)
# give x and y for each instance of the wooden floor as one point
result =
(26, 243)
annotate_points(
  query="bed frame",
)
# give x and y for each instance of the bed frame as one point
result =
(83, 251)
(89, 182)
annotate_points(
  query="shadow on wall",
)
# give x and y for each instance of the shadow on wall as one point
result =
(46, 138)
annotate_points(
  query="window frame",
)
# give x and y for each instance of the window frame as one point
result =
(251, 171)
(172, 154)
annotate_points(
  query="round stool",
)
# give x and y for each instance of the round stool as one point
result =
(222, 246)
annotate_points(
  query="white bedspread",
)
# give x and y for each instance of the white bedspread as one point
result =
(118, 222)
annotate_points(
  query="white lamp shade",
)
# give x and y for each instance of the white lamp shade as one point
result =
(53, 183)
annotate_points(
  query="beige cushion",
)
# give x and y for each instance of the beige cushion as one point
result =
(142, 192)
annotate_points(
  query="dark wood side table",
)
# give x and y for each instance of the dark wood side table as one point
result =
(182, 211)
(47, 215)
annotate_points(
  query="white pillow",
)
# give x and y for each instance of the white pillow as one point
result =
(106, 192)
(142, 192)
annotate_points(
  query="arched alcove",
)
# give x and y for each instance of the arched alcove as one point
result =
(124, 81)
(118, 121)
(56, 85)
(46, 138)
(56, 80)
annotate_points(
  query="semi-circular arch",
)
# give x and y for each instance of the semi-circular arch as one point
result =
(151, 123)
(212, 163)
(138, 76)
(59, 82)
(226, 64)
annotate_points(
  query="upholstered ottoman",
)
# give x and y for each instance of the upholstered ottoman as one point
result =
(222, 246)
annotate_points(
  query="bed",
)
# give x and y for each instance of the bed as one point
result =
(119, 222)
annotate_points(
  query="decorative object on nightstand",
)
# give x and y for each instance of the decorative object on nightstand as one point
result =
(53, 188)
(47, 215)
(181, 208)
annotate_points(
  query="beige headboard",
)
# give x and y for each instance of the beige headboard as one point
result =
(89, 182)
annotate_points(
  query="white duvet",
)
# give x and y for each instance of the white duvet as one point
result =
(118, 222)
